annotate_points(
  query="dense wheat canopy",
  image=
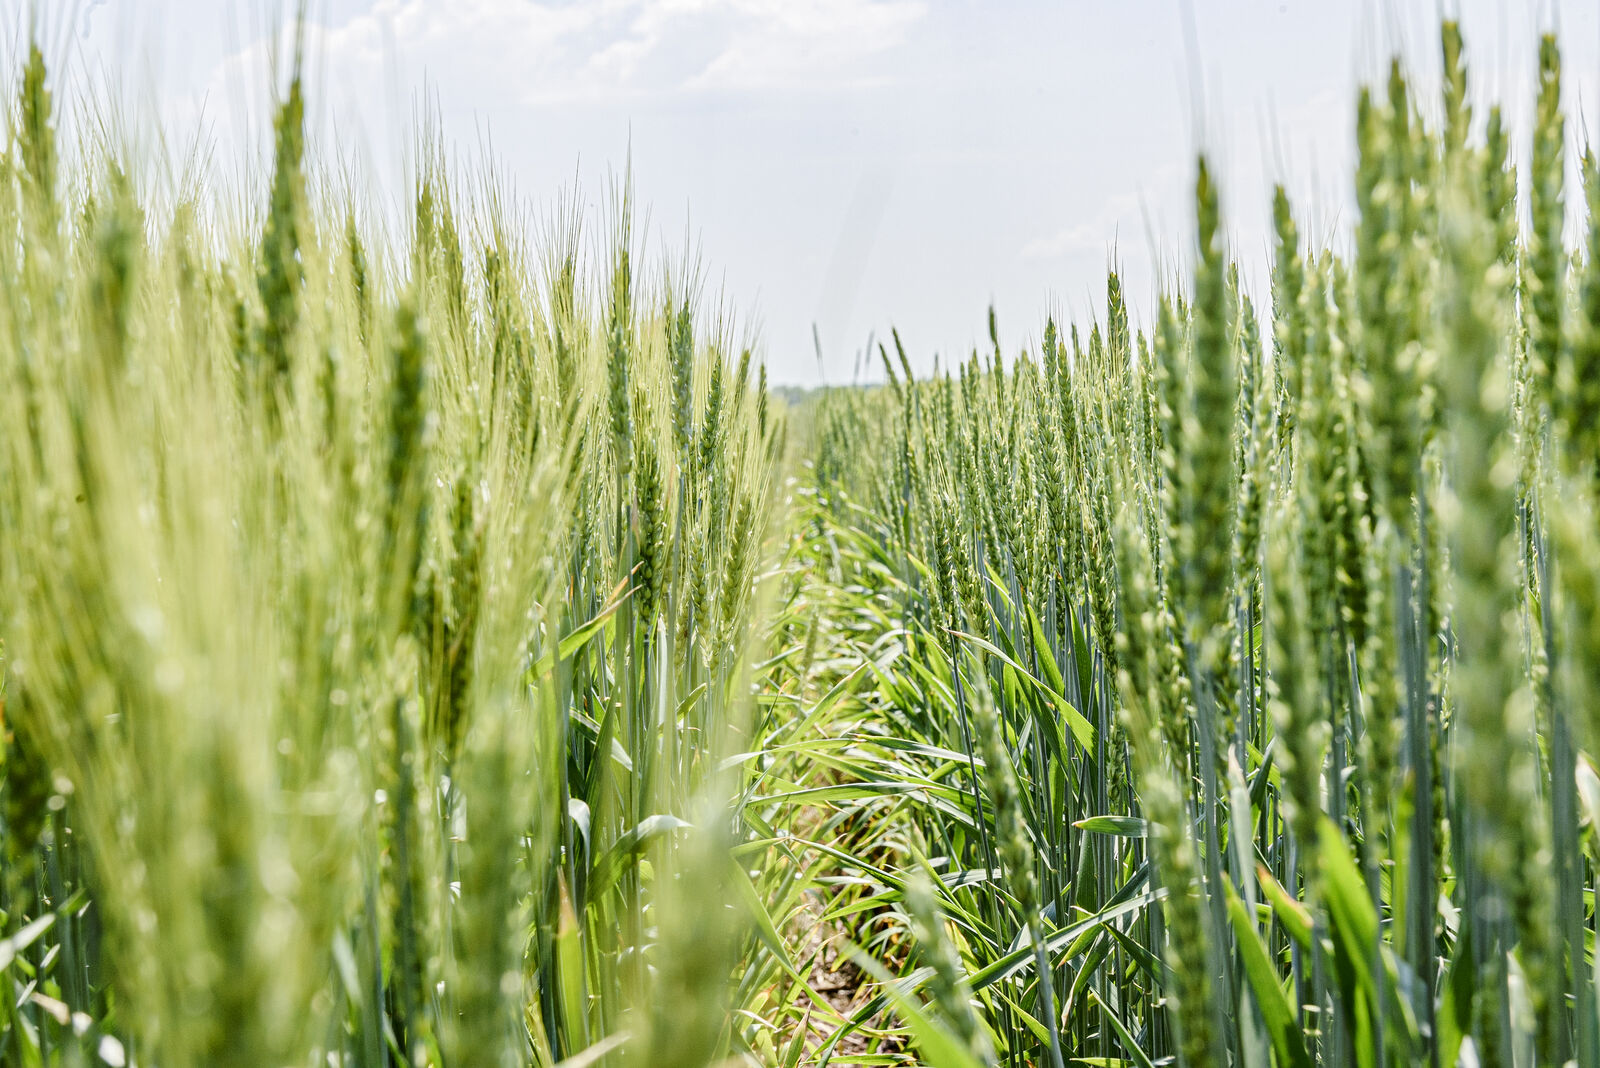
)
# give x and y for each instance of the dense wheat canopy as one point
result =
(432, 641)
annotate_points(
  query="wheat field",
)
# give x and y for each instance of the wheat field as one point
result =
(435, 643)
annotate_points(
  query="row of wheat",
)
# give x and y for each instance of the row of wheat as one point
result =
(1250, 660)
(375, 608)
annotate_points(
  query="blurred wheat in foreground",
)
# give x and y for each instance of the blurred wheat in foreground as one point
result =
(423, 645)
(370, 651)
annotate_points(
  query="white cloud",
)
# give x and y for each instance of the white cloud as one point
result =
(1120, 220)
(1066, 241)
(506, 67)
(805, 42)
(531, 53)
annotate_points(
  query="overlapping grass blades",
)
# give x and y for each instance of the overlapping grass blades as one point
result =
(1283, 621)
(371, 655)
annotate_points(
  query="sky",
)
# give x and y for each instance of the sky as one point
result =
(853, 165)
